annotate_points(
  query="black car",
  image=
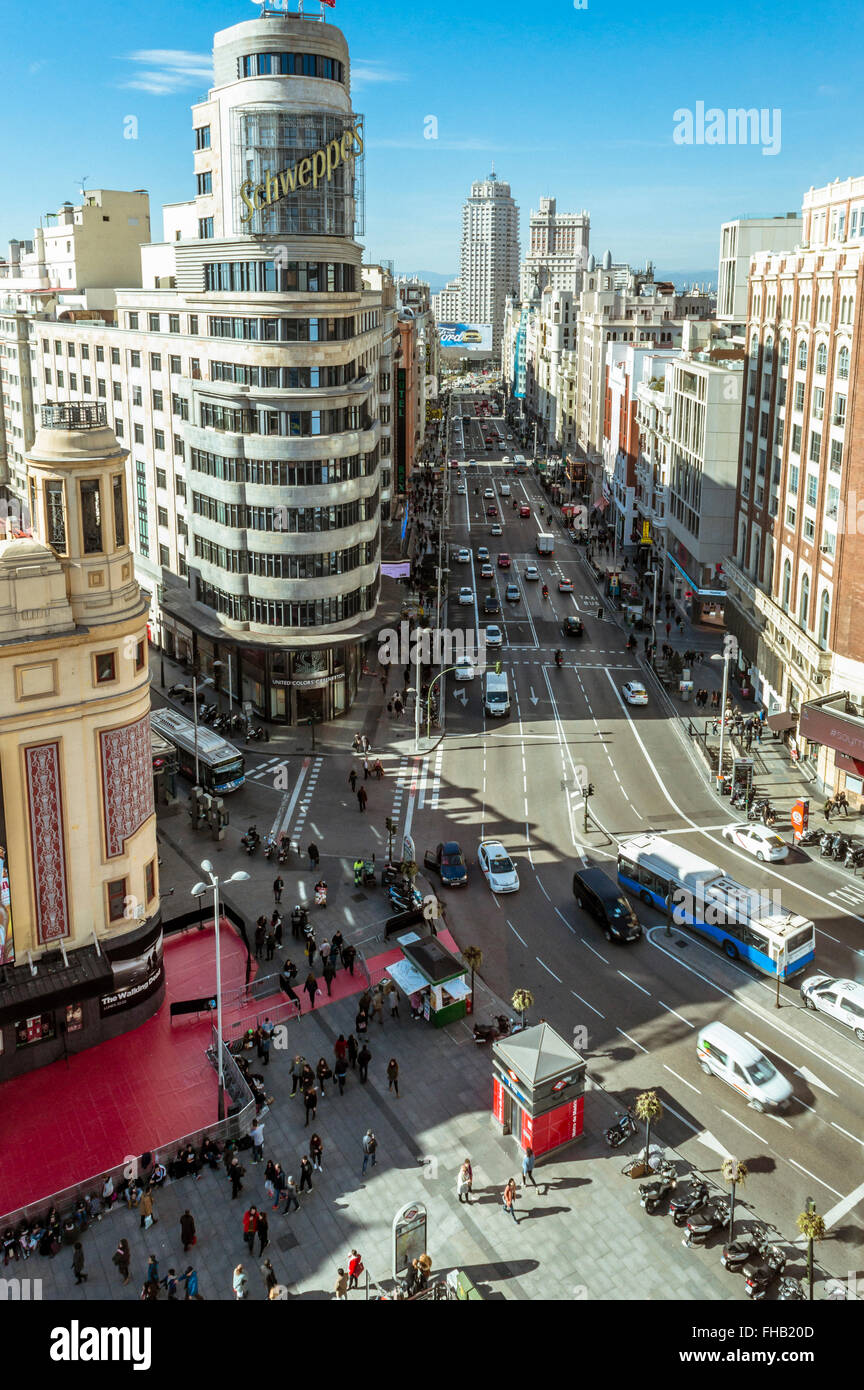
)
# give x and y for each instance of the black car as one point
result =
(595, 891)
(572, 626)
(491, 604)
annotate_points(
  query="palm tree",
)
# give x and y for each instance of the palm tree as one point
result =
(648, 1109)
(812, 1227)
(473, 958)
(522, 1001)
(733, 1172)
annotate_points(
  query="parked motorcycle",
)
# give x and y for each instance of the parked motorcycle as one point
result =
(854, 856)
(621, 1130)
(403, 899)
(321, 893)
(488, 1032)
(257, 734)
(179, 690)
(682, 1208)
(841, 844)
(810, 837)
(651, 1194)
(237, 722)
(826, 845)
(251, 840)
(713, 1217)
(746, 1247)
(761, 1272)
(269, 846)
(790, 1290)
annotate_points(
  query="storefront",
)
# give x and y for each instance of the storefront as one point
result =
(705, 604)
(432, 979)
(835, 745)
(538, 1089)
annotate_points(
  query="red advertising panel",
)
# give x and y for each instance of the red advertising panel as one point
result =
(800, 817)
(558, 1126)
(498, 1100)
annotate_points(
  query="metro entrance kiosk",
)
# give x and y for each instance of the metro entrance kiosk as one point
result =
(538, 1089)
(428, 969)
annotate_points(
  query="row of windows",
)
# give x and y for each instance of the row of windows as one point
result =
(284, 472)
(287, 378)
(320, 612)
(821, 362)
(92, 505)
(285, 566)
(291, 65)
(280, 330)
(291, 519)
(308, 276)
(287, 424)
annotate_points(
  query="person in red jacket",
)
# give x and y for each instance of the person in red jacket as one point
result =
(250, 1226)
(355, 1269)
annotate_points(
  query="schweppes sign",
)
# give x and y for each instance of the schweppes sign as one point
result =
(307, 173)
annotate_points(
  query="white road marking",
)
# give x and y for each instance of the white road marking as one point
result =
(834, 1125)
(802, 1169)
(804, 1072)
(587, 1005)
(566, 923)
(284, 816)
(591, 948)
(844, 1205)
(676, 1013)
(633, 982)
(543, 890)
(681, 1078)
(730, 1116)
(515, 933)
(548, 971)
(632, 1040)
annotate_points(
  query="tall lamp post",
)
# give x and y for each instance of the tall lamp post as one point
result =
(419, 633)
(653, 573)
(196, 685)
(198, 892)
(725, 659)
(221, 665)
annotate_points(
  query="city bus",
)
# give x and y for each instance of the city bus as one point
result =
(746, 924)
(220, 764)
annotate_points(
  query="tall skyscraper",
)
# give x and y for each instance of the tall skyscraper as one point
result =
(490, 254)
(557, 252)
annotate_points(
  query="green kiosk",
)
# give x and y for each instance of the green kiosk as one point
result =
(432, 977)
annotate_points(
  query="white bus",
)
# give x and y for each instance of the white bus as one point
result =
(744, 923)
(221, 765)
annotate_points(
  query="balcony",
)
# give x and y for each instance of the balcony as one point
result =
(71, 416)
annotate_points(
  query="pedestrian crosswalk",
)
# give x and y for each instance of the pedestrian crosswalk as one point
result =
(264, 772)
(848, 897)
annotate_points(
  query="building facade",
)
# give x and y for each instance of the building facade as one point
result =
(490, 255)
(447, 303)
(557, 250)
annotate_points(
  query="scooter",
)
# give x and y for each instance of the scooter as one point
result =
(841, 844)
(269, 846)
(854, 856)
(257, 734)
(621, 1131)
(651, 1194)
(488, 1032)
(810, 837)
(284, 848)
(321, 893)
(760, 1275)
(179, 690)
(747, 1247)
(251, 840)
(790, 1290)
(713, 1217)
(682, 1208)
(826, 844)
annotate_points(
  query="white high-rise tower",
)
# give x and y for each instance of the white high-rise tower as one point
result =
(557, 251)
(490, 254)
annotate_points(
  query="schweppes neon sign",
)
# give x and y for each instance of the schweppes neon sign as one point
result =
(316, 168)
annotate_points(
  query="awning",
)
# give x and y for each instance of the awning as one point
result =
(843, 763)
(833, 729)
(782, 721)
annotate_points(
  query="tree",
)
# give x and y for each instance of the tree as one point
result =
(733, 1172)
(522, 1001)
(812, 1227)
(473, 958)
(648, 1109)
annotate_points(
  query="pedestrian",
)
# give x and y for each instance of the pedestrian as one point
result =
(277, 1182)
(260, 933)
(314, 856)
(190, 1279)
(528, 1168)
(353, 1049)
(324, 951)
(364, 1057)
(307, 1077)
(361, 1022)
(148, 1215)
(78, 1263)
(268, 1274)
(323, 1072)
(393, 1076)
(121, 1258)
(311, 988)
(236, 1173)
(250, 1226)
(362, 798)
(464, 1182)
(292, 1201)
(340, 1071)
(398, 707)
(355, 1269)
(270, 937)
(241, 1283)
(349, 955)
(841, 803)
(509, 1199)
(278, 885)
(668, 629)
(389, 711)
(829, 807)
(169, 1283)
(266, 1040)
(311, 947)
(340, 1288)
(256, 1134)
(296, 1068)
(365, 744)
(310, 1100)
(329, 975)
(187, 1230)
(378, 1006)
(383, 679)
(276, 924)
(352, 778)
(336, 945)
(262, 1230)
(370, 1146)
(316, 1152)
(305, 1174)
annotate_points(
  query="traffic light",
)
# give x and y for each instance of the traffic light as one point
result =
(388, 825)
(590, 789)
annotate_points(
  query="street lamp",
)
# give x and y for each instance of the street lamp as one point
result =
(208, 680)
(221, 665)
(653, 573)
(198, 892)
(724, 657)
(419, 633)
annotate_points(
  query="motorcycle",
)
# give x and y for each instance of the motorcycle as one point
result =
(237, 722)
(251, 840)
(854, 856)
(489, 1032)
(826, 844)
(761, 1273)
(284, 848)
(221, 724)
(810, 837)
(269, 846)
(747, 1247)
(403, 900)
(651, 1194)
(257, 734)
(299, 921)
(713, 1217)
(841, 844)
(682, 1208)
(790, 1290)
(545, 590)
(321, 893)
(618, 1133)
(178, 690)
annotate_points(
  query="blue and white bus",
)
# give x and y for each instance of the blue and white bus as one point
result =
(221, 765)
(745, 924)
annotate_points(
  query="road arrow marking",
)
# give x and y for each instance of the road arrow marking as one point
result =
(461, 696)
(534, 698)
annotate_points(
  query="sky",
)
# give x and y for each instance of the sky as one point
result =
(578, 103)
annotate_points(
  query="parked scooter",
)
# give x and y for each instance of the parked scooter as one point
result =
(488, 1032)
(621, 1131)
(682, 1208)
(713, 1217)
(179, 690)
(269, 846)
(746, 1247)
(251, 840)
(790, 1290)
(321, 893)
(652, 1194)
(841, 844)
(257, 734)
(826, 844)
(811, 837)
(761, 1273)
(854, 856)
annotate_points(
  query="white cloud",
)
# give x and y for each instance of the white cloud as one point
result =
(163, 71)
(364, 72)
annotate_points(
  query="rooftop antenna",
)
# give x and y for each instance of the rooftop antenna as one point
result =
(84, 178)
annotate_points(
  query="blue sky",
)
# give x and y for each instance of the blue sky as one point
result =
(577, 103)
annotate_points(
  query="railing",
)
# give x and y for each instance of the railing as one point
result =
(74, 417)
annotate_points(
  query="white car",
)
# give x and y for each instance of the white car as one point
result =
(634, 693)
(489, 493)
(497, 867)
(756, 839)
(463, 555)
(531, 572)
(494, 636)
(461, 489)
(495, 529)
(841, 999)
(466, 595)
(506, 459)
(464, 669)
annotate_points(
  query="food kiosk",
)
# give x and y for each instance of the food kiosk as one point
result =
(432, 977)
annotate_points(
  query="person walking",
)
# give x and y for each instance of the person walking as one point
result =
(390, 708)
(329, 974)
(270, 939)
(314, 856)
(362, 798)
(311, 988)
(78, 1263)
(509, 1199)
(353, 1049)
(349, 955)
(190, 1279)
(378, 1006)
(464, 1182)
(240, 1282)
(361, 1021)
(528, 1168)
(324, 952)
(268, 1274)
(340, 1288)
(292, 1201)
(296, 1069)
(340, 1071)
(148, 1215)
(121, 1258)
(250, 1226)
(364, 1057)
(316, 1152)
(236, 1173)
(311, 947)
(352, 778)
(337, 944)
(366, 769)
(310, 1100)
(260, 934)
(278, 1183)
(278, 885)
(394, 1001)
(355, 1269)
(187, 1230)
(370, 1147)
(262, 1230)
(305, 1174)
(323, 1072)
(340, 1048)
(169, 1284)
(393, 1076)
(828, 808)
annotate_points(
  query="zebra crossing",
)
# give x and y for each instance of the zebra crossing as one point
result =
(435, 788)
(265, 771)
(848, 897)
(401, 783)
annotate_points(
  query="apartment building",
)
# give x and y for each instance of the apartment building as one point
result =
(447, 303)
(490, 254)
(557, 250)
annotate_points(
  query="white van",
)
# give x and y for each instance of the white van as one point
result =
(742, 1066)
(504, 489)
(496, 693)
